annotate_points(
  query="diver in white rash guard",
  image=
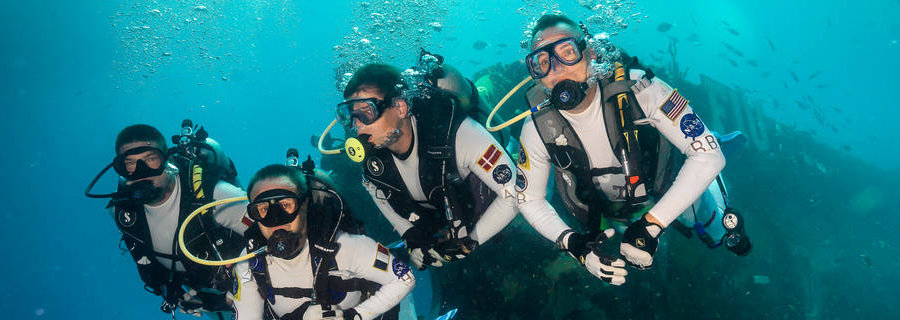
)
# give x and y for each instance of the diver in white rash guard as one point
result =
(595, 125)
(302, 220)
(153, 199)
(444, 183)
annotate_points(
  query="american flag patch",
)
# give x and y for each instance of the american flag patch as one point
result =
(489, 158)
(674, 105)
(382, 256)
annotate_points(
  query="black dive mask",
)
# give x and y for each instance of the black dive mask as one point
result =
(284, 244)
(568, 93)
(275, 207)
(138, 192)
(142, 169)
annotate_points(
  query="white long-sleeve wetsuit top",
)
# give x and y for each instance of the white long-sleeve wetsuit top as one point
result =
(358, 257)
(667, 111)
(478, 153)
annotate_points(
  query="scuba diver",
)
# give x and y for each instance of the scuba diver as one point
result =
(318, 264)
(158, 187)
(615, 134)
(443, 182)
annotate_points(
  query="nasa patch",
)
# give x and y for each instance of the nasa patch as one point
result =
(126, 218)
(399, 268)
(691, 126)
(502, 174)
(521, 180)
(375, 166)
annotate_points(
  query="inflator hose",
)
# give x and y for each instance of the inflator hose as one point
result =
(201, 210)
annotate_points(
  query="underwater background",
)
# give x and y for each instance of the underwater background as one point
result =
(813, 83)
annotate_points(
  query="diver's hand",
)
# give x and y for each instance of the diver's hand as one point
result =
(421, 248)
(456, 249)
(315, 312)
(598, 263)
(424, 257)
(640, 241)
(192, 307)
(601, 265)
(172, 296)
(190, 304)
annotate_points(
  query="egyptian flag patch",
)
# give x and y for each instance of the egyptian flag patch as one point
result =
(674, 105)
(489, 158)
(382, 257)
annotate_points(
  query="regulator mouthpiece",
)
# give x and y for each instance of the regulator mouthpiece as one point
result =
(567, 94)
(356, 148)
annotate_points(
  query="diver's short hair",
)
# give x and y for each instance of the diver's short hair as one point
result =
(139, 133)
(276, 171)
(382, 76)
(550, 20)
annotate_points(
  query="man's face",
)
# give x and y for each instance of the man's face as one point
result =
(298, 225)
(559, 71)
(387, 124)
(152, 158)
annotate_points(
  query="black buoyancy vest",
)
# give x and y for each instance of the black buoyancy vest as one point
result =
(438, 119)
(574, 174)
(204, 238)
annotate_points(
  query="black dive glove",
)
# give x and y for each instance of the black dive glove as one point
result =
(172, 296)
(640, 242)
(598, 263)
(456, 249)
(351, 314)
(421, 248)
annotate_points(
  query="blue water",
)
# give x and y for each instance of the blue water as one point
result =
(261, 78)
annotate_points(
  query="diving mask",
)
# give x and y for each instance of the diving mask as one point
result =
(150, 165)
(366, 110)
(275, 207)
(567, 51)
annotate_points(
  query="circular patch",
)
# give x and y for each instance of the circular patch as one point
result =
(375, 166)
(730, 221)
(691, 126)
(399, 268)
(521, 181)
(354, 150)
(126, 218)
(502, 174)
